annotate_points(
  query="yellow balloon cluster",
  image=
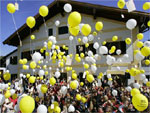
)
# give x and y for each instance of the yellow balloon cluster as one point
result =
(27, 104)
(31, 21)
(11, 8)
(86, 66)
(43, 10)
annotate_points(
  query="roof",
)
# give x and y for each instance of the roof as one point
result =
(10, 53)
(82, 7)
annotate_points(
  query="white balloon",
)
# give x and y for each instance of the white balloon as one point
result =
(103, 50)
(114, 92)
(142, 76)
(16, 108)
(7, 71)
(118, 68)
(2, 99)
(131, 24)
(96, 45)
(80, 26)
(91, 60)
(90, 37)
(136, 85)
(63, 90)
(139, 56)
(21, 75)
(70, 38)
(129, 88)
(67, 8)
(108, 76)
(57, 74)
(146, 43)
(118, 51)
(39, 88)
(77, 83)
(84, 39)
(42, 109)
(41, 95)
(41, 73)
(57, 22)
(12, 91)
(87, 58)
(93, 68)
(52, 38)
(36, 57)
(110, 83)
(90, 53)
(71, 108)
(145, 80)
(97, 57)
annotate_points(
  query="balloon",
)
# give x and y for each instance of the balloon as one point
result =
(73, 84)
(81, 83)
(134, 92)
(145, 80)
(86, 29)
(114, 38)
(139, 56)
(83, 99)
(146, 5)
(57, 74)
(14, 96)
(121, 4)
(70, 38)
(57, 22)
(114, 92)
(82, 55)
(25, 67)
(31, 21)
(57, 109)
(145, 51)
(20, 61)
(131, 24)
(12, 91)
(129, 88)
(78, 59)
(90, 78)
(36, 57)
(78, 97)
(85, 40)
(99, 26)
(142, 76)
(128, 41)
(147, 62)
(41, 73)
(118, 51)
(103, 50)
(71, 108)
(44, 88)
(32, 79)
(32, 37)
(108, 75)
(25, 61)
(74, 19)
(139, 44)
(42, 109)
(90, 53)
(52, 81)
(74, 76)
(148, 84)
(104, 42)
(136, 85)
(148, 23)
(140, 36)
(32, 65)
(43, 11)
(27, 104)
(7, 94)
(2, 99)
(86, 66)
(67, 8)
(63, 90)
(74, 30)
(146, 43)
(11, 8)
(96, 45)
(7, 76)
(90, 37)
(140, 102)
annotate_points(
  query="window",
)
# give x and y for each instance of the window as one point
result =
(27, 55)
(119, 45)
(50, 32)
(13, 60)
(83, 49)
(63, 30)
(64, 50)
(13, 76)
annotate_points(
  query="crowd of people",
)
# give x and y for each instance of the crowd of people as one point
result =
(99, 99)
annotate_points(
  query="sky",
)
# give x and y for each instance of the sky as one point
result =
(31, 8)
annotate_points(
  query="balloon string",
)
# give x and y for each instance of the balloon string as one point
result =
(45, 25)
(16, 30)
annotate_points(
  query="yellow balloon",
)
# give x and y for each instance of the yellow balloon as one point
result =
(57, 109)
(140, 102)
(27, 104)
(41, 77)
(113, 48)
(82, 55)
(11, 8)
(79, 40)
(25, 61)
(37, 99)
(7, 94)
(52, 81)
(9, 83)
(110, 79)
(134, 92)
(74, 76)
(99, 26)
(90, 78)
(147, 62)
(78, 59)
(20, 61)
(86, 29)
(148, 23)
(61, 64)
(86, 66)
(24, 67)
(114, 38)
(145, 51)
(14, 96)
(148, 84)
(32, 37)
(104, 43)
(81, 83)
(128, 41)
(94, 33)
(142, 71)
(32, 65)
(87, 45)
(139, 44)
(50, 110)
(43, 10)
(74, 30)
(83, 99)
(73, 84)
(146, 5)
(74, 19)
(31, 21)
(78, 97)
(121, 4)
(140, 36)
(28, 75)
(32, 79)
(7, 76)
(46, 72)
(133, 72)
(44, 88)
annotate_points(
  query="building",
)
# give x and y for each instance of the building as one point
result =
(114, 24)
